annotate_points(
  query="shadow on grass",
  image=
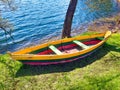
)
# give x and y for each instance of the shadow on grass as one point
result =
(27, 70)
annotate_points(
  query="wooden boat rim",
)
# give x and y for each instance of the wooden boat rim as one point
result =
(68, 55)
(61, 40)
(63, 55)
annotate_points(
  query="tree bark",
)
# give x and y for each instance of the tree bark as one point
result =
(66, 32)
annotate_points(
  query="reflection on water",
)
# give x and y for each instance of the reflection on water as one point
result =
(37, 20)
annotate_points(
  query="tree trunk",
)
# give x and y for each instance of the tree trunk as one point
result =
(68, 20)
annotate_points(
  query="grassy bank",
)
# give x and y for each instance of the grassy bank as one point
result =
(100, 71)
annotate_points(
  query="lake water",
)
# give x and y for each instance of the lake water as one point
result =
(36, 20)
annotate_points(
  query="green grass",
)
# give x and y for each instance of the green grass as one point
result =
(87, 33)
(100, 71)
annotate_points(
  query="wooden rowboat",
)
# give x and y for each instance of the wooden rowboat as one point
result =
(61, 51)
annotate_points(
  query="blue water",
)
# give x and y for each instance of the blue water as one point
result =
(36, 20)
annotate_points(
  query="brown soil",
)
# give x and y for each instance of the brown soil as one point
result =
(112, 23)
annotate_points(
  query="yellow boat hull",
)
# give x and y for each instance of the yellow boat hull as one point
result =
(26, 56)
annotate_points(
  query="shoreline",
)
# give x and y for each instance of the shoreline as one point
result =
(100, 25)
(109, 23)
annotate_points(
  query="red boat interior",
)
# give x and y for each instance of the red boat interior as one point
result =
(68, 48)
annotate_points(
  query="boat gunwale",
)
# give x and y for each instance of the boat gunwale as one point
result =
(65, 40)
(53, 57)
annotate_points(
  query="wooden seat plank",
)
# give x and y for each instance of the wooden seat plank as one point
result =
(55, 50)
(81, 44)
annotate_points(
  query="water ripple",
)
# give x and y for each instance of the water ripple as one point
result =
(37, 20)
